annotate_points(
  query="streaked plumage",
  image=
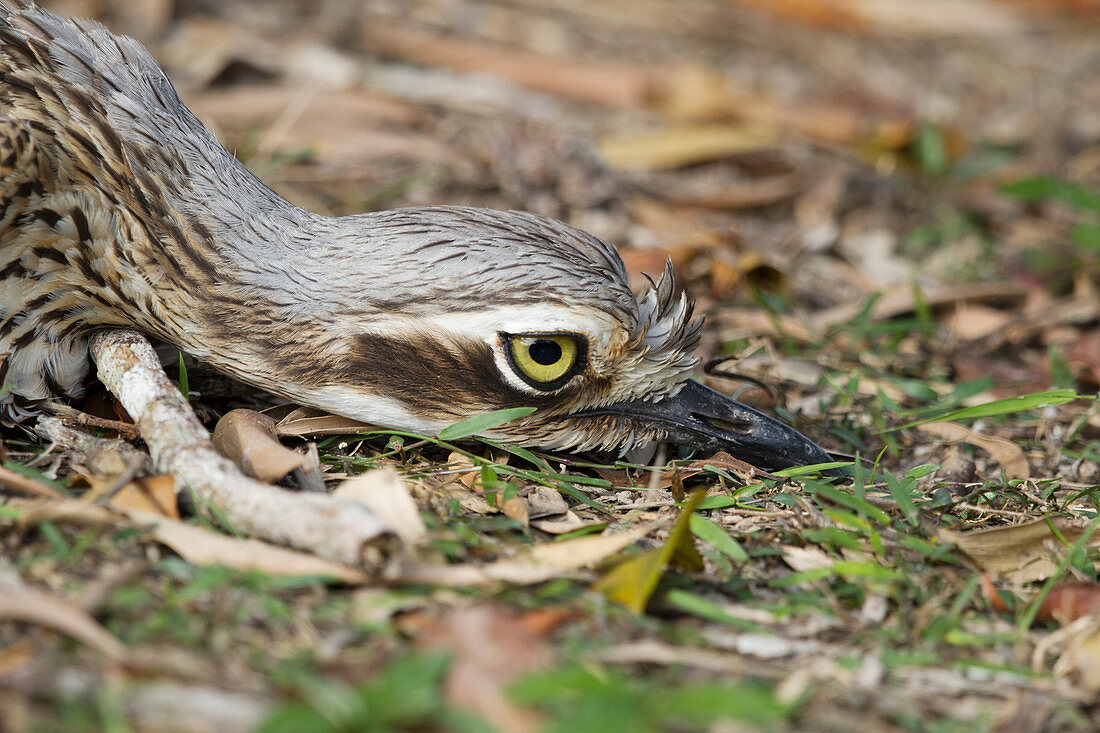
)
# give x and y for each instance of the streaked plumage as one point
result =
(118, 208)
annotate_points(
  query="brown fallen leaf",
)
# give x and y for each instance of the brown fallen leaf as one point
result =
(1009, 455)
(904, 300)
(681, 145)
(1019, 552)
(1067, 602)
(544, 501)
(640, 262)
(384, 492)
(972, 321)
(63, 511)
(483, 642)
(249, 439)
(516, 508)
(569, 522)
(43, 609)
(200, 546)
(536, 565)
(26, 485)
(156, 494)
(750, 194)
(992, 595)
(724, 461)
(1083, 357)
(18, 655)
(929, 18)
(802, 559)
(1084, 658)
(606, 84)
(305, 421)
(240, 107)
(693, 93)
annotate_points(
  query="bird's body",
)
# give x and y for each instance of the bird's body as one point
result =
(119, 208)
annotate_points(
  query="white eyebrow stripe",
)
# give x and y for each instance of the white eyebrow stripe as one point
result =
(595, 325)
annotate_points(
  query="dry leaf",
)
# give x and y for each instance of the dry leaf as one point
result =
(929, 18)
(35, 607)
(900, 301)
(62, 511)
(596, 83)
(724, 461)
(633, 581)
(483, 642)
(1019, 552)
(27, 485)
(806, 558)
(18, 655)
(1068, 602)
(383, 491)
(544, 501)
(653, 651)
(570, 522)
(1083, 356)
(156, 494)
(249, 439)
(748, 194)
(341, 128)
(1085, 657)
(200, 546)
(672, 147)
(516, 508)
(306, 421)
(971, 321)
(539, 564)
(1009, 455)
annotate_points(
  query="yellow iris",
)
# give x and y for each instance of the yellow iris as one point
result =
(543, 359)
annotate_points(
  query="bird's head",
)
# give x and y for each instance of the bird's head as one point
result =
(472, 310)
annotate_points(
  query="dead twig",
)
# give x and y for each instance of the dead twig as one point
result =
(27, 485)
(70, 414)
(341, 530)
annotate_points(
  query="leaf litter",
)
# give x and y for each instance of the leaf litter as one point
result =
(901, 598)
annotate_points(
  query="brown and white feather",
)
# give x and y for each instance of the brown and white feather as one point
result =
(119, 208)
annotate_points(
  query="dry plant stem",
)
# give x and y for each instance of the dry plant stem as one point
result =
(57, 432)
(66, 412)
(27, 485)
(337, 529)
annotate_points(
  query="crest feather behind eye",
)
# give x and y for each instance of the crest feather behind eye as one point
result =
(666, 331)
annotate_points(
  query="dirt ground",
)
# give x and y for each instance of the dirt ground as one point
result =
(887, 211)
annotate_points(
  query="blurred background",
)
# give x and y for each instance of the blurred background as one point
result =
(793, 157)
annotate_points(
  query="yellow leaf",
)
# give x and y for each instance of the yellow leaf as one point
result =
(673, 147)
(155, 494)
(632, 582)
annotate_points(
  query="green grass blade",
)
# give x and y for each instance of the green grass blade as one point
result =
(184, 387)
(479, 423)
(998, 407)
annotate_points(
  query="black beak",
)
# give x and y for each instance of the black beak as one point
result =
(700, 417)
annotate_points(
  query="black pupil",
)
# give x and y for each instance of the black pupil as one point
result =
(545, 352)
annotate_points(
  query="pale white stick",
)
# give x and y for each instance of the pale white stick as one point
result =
(339, 529)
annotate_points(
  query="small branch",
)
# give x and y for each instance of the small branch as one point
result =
(71, 414)
(339, 529)
(27, 485)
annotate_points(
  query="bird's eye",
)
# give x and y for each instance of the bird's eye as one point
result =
(545, 361)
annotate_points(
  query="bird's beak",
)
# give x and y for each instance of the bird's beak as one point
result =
(700, 417)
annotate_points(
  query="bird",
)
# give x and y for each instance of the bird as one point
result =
(119, 208)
